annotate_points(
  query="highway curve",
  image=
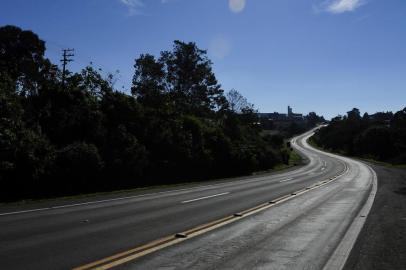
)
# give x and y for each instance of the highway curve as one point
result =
(309, 229)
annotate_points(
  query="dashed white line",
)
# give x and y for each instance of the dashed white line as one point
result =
(101, 201)
(206, 197)
(285, 180)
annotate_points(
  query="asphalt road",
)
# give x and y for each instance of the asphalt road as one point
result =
(382, 243)
(67, 236)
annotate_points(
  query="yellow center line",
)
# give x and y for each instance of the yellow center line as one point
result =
(132, 254)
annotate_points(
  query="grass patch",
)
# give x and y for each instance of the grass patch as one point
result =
(295, 159)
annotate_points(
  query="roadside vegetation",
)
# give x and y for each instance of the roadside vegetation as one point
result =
(379, 137)
(65, 134)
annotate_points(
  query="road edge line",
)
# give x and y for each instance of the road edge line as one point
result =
(340, 255)
(137, 252)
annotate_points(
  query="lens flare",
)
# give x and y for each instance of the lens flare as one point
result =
(220, 47)
(236, 5)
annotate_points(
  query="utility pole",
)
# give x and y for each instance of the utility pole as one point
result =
(67, 53)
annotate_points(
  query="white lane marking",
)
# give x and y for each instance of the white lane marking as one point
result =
(264, 178)
(25, 211)
(206, 197)
(285, 180)
(100, 201)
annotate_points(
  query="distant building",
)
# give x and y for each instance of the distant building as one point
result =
(295, 116)
(290, 111)
(275, 116)
(270, 121)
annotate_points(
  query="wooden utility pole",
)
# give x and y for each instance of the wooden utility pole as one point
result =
(67, 53)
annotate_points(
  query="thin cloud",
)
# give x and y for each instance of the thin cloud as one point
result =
(134, 6)
(341, 6)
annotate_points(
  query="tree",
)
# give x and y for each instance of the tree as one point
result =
(149, 82)
(380, 136)
(25, 154)
(399, 119)
(237, 102)
(313, 119)
(22, 58)
(185, 74)
(354, 114)
(376, 142)
(77, 168)
(85, 136)
(91, 81)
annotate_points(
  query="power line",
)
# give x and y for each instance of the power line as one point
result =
(86, 59)
(67, 53)
(80, 57)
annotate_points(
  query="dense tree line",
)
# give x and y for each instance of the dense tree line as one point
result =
(381, 136)
(82, 135)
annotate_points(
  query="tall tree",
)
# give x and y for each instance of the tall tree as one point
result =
(149, 85)
(22, 57)
(185, 74)
(237, 102)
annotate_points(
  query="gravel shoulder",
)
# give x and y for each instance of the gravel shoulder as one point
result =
(382, 242)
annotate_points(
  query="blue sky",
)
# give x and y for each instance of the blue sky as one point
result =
(326, 56)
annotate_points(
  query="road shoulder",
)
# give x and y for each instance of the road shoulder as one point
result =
(382, 241)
